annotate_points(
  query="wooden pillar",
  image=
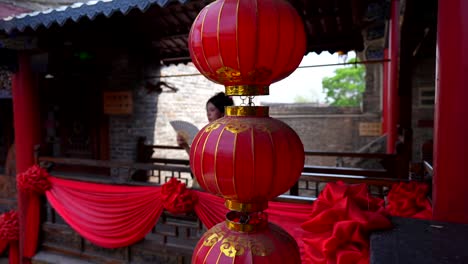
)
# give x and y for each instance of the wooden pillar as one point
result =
(450, 185)
(27, 135)
(392, 94)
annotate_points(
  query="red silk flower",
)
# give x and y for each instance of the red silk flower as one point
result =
(409, 200)
(340, 222)
(9, 226)
(34, 179)
(177, 199)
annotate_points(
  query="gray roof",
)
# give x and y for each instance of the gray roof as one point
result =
(75, 12)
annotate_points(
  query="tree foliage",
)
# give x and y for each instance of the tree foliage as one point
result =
(346, 87)
(302, 99)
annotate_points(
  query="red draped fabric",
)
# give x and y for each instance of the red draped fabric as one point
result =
(290, 217)
(9, 235)
(334, 229)
(210, 209)
(109, 216)
(31, 185)
(115, 216)
(409, 200)
(13, 253)
(3, 245)
(339, 224)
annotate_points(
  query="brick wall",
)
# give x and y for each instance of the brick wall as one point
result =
(325, 128)
(422, 116)
(320, 128)
(187, 104)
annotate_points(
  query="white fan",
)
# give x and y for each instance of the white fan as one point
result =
(185, 129)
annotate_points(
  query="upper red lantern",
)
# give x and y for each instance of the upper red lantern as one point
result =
(247, 44)
(247, 157)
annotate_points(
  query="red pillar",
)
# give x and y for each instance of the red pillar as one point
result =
(27, 135)
(392, 94)
(450, 185)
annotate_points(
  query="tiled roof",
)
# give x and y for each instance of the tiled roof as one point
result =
(7, 10)
(75, 12)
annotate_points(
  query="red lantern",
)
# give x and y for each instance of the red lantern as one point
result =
(247, 43)
(247, 157)
(234, 243)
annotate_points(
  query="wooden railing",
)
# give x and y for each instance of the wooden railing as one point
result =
(311, 182)
(392, 164)
(120, 172)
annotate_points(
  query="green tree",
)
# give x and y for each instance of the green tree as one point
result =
(346, 87)
(302, 99)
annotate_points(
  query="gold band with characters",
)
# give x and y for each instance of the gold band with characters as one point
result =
(258, 111)
(246, 207)
(247, 90)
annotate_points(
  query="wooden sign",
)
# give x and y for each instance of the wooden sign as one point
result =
(118, 103)
(370, 129)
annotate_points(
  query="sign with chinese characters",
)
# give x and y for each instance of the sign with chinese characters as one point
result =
(370, 129)
(118, 103)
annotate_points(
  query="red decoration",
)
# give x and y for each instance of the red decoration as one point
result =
(247, 159)
(9, 235)
(9, 226)
(269, 244)
(340, 223)
(34, 179)
(247, 42)
(409, 200)
(176, 198)
(114, 216)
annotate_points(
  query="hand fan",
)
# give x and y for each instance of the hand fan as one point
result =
(185, 129)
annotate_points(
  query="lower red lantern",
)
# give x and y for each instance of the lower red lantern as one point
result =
(248, 158)
(246, 238)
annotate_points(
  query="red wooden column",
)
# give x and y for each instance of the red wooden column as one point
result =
(392, 93)
(27, 135)
(450, 185)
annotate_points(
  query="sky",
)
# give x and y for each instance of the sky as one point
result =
(306, 82)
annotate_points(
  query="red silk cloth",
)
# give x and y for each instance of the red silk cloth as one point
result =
(339, 225)
(409, 200)
(109, 216)
(31, 185)
(334, 229)
(9, 235)
(113, 216)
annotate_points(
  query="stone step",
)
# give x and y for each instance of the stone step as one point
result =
(43, 257)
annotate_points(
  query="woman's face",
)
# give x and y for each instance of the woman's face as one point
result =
(212, 112)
